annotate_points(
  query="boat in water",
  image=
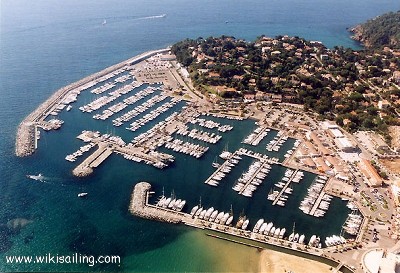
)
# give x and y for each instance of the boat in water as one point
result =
(301, 239)
(38, 177)
(194, 209)
(258, 225)
(245, 224)
(229, 221)
(82, 194)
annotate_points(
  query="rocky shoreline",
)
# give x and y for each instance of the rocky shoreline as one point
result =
(358, 35)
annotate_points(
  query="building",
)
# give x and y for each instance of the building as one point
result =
(396, 76)
(345, 145)
(335, 133)
(168, 57)
(342, 142)
(380, 261)
(370, 173)
(383, 104)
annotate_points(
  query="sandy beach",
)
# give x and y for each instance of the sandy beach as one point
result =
(278, 262)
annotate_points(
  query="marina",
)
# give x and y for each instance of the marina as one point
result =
(163, 130)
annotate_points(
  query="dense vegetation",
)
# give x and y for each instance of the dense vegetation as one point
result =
(339, 84)
(381, 31)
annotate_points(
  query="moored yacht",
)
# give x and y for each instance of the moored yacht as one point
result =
(245, 224)
(258, 225)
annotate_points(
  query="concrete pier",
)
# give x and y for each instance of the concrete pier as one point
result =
(93, 161)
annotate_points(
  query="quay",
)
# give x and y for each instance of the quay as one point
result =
(25, 136)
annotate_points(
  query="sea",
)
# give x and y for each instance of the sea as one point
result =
(47, 44)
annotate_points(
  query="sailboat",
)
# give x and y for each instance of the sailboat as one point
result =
(291, 236)
(215, 164)
(225, 154)
(104, 22)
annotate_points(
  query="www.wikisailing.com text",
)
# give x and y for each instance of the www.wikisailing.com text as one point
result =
(64, 259)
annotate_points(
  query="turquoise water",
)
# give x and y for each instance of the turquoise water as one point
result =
(45, 45)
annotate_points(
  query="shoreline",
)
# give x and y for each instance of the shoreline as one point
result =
(272, 261)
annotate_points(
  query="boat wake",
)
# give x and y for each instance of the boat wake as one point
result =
(130, 18)
(45, 179)
(152, 17)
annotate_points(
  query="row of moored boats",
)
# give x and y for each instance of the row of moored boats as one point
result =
(153, 115)
(212, 215)
(188, 148)
(223, 170)
(200, 135)
(85, 148)
(106, 99)
(276, 143)
(211, 124)
(290, 151)
(137, 110)
(118, 107)
(171, 203)
(252, 178)
(256, 136)
(314, 193)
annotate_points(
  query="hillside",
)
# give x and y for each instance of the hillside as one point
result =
(357, 88)
(381, 31)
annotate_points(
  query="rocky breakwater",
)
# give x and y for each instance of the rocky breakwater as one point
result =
(140, 207)
(25, 140)
(25, 137)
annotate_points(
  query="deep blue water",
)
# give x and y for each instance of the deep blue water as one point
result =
(45, 45)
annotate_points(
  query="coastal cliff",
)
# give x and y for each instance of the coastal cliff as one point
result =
(380, 31)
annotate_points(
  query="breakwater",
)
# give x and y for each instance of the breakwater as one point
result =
(140, 207)
(25, 135)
